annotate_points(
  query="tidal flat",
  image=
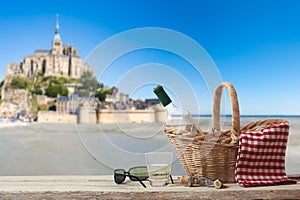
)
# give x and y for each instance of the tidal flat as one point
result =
(97, 149)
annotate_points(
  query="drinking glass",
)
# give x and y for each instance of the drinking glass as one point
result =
(159, 167)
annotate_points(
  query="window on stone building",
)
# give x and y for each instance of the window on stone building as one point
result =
(31, 67)
(44, 67)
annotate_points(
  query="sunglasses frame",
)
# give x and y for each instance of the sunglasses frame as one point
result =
(134, 178)
(131, 177)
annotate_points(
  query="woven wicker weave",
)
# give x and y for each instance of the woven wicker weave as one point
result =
(211, 155)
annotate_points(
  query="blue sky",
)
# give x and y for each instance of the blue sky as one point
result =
(254, 44)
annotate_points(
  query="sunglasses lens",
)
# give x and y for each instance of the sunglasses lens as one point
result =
(139, 172)
(119, 176)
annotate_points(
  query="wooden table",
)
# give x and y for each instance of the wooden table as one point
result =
(103, 187)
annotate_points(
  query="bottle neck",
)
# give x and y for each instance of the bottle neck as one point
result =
(171, 106)
(176, 116)
(173, 110)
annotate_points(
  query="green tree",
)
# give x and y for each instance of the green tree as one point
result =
(110, 91)
(101, 85)
(54, 90)
(37, 90)
(19, 82)
(100, 95)
(87, 84)
(63, 91)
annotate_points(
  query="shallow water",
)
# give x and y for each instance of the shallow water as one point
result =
(72, 149)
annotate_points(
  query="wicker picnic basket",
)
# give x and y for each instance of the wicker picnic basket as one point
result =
(209, 154)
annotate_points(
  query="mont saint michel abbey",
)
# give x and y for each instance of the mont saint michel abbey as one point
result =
(60, 60)
(63, 60)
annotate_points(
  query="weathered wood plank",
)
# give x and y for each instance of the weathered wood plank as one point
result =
(103, 187)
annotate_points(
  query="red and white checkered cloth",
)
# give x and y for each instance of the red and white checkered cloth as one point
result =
(261, 157)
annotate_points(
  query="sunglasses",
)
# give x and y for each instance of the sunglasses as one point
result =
(135, 174)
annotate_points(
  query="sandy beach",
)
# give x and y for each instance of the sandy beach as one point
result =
(72, 149)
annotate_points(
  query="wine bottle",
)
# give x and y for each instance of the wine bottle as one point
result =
(176, 116)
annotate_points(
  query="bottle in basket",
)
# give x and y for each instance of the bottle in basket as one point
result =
(176, 116)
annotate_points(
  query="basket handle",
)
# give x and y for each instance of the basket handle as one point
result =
(235, 131)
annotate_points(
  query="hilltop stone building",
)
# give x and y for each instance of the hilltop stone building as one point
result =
(61, 60)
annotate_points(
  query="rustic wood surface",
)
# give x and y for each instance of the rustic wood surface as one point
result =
(103, 187)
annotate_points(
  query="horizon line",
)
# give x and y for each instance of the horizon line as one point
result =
(250, 115)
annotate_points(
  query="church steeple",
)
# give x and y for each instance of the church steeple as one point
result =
(57, 47)
(57, 36)
(57, 26)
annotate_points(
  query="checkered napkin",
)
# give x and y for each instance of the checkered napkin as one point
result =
(261, 156)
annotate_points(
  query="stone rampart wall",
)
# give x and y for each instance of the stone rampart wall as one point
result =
(130, 116)
(56, 117)
(104, 116)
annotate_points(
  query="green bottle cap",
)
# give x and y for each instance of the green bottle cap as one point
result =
(162, 95)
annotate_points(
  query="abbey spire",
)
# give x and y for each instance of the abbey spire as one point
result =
(57, 36)
(57, 47)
